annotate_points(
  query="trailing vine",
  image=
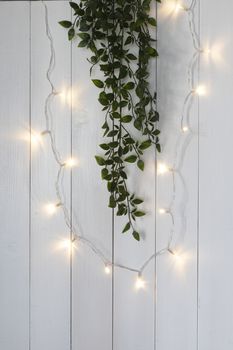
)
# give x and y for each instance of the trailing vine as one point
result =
(112, 30)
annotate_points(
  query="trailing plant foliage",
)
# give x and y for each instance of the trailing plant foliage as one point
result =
(118, 36)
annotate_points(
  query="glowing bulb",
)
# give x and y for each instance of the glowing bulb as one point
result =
(66, 96)
(51, 208)
(107, 269)
(179, 7)
(163, 168)
(35, 139)
(70, 163)
(163, 211)
(172, 252)
(67, 243)
(200, 90)
(173, 7)
(140, 283)
(206, 51)
(179, 258)
(185, 129)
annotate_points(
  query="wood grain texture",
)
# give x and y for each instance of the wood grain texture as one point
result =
(92, 288)
(14, 170)
(192, 299)
(50, 309)
(176, 315)
(134, 309)
(216, 172)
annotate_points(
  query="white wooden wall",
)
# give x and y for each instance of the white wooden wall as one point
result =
(45, 301)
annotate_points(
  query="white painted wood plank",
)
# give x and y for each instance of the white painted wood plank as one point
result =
(216, 172)
(92, 288)
(50, 260)
(176, 276)
(14, 170)
(134, 309)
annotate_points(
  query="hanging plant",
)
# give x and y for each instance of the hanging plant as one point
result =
(111, 30)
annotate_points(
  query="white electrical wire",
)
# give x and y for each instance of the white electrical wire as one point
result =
(61, 164)
(186, 132)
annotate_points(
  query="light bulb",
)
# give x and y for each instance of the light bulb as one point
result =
(107, 269)
(173, 7)
(206, 51)
(163, 211)
(51, 208)
(140, 282)
(70, 163)
(66, 96)
(200, 90)
(178, 256)
(35, 138)
(163, 168)
(179, 7)
(185, 129)
(67, 243)
(172, 252)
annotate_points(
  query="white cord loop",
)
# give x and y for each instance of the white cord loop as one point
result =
(61, 164)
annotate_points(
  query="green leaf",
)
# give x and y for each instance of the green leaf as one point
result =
(156, 132)
(144, 145)
(98, 83)
(84, 36)
(151, 51)
(100, 160)
(140, 164)
(112, 133)
(128, 40)
(126, 228)
(152, 21)
(104, 173)
(83, 27)
(77, 9)
(139, 91)
(138, 124)
(104, 146)
(126, 119)
(112, 202)
(116, 115)
(136, 236)
(139, 213)
(71, 33)
(114, 106)
(158, 147)
(123, 73)
(123, 175)
(83, 43)
(123, 104)
(131, 57)
(65, 24)
(137, 201)
(103, 99)
(113, 144)
(74, 5)
(129, 86)
(105, 125)
(131, 159)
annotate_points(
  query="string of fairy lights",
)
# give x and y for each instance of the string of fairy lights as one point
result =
(162, 168)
